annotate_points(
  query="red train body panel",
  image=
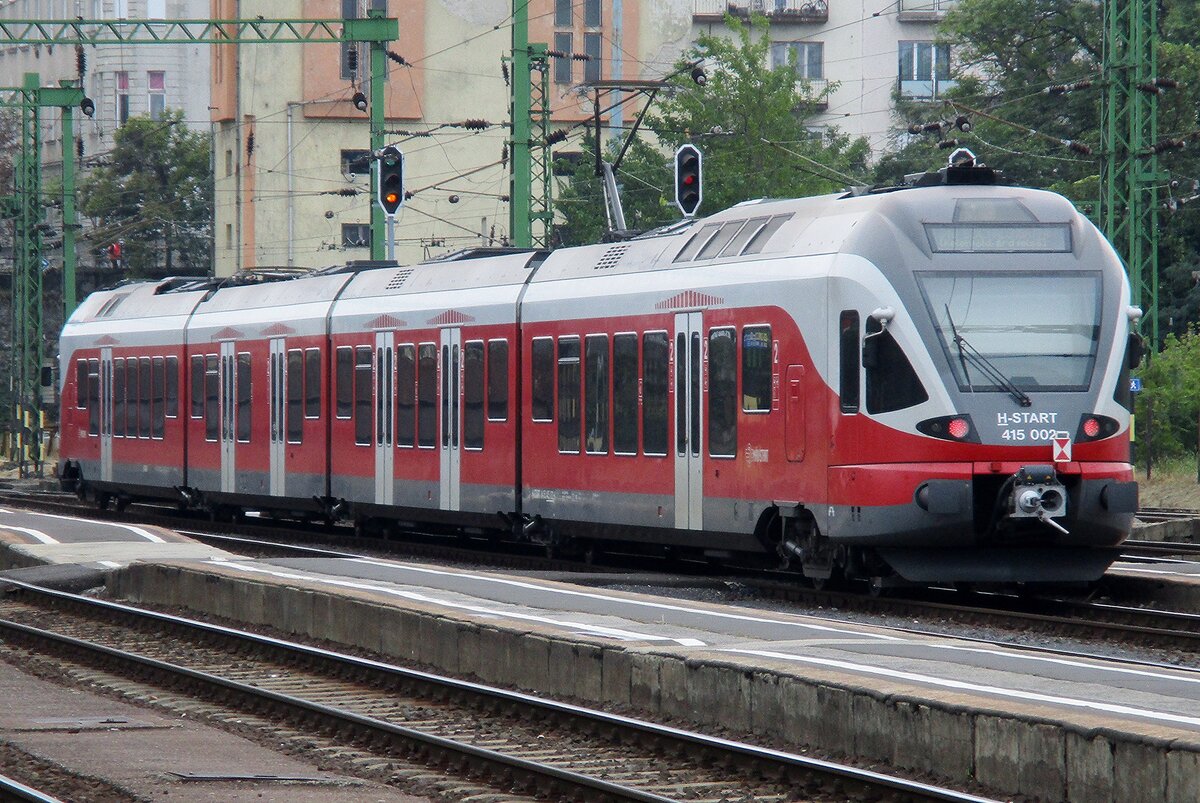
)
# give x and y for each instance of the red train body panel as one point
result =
(929, 382)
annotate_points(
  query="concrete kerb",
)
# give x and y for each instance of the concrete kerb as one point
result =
(1022, 751)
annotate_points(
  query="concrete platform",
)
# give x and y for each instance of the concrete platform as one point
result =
(1019, 743)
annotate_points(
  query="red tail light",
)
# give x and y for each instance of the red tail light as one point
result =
(958, 428)
(950, 428)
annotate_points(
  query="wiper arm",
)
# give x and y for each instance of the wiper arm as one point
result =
(968, 352)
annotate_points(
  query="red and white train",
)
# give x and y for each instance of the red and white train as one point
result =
(929, 382)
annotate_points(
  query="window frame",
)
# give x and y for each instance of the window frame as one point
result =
(770, 369)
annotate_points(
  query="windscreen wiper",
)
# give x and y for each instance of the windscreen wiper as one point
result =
(968, 352)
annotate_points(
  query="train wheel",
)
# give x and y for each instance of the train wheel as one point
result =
(102, 500)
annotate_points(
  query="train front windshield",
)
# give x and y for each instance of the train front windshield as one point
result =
(1035, 331)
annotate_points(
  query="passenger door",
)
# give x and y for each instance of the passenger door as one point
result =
(385, 416)
(451, 451)
(689, 453)
(277, 382)
(106, 414)
(228, 410)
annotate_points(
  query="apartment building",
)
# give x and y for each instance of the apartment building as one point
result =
(122, 80)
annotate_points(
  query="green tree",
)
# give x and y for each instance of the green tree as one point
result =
(154, 196)
(748, 119)
(1009, 54)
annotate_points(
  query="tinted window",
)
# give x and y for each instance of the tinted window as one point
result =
(848, 360)
(756, 369)
(244, 396)
(722, 392)
(497, 380)
(345, 381)
(427, 395)
(543, 379)
(172, 387)
(93, 396)
(625, 394)
(197, 380)
(81, 385)
(568, 394)
(212, 413)
(406, 394)
(312, 383)
(119, 398)
(655, 367)
(892, 384)
(144, 394)
(362, 395)
(158, 396)
(473, 411)
(595, 386)
(295, 396)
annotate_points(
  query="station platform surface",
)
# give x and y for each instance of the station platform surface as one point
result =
(1019, 722)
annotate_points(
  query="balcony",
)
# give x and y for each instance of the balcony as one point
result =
(777, 11)
(924, 10)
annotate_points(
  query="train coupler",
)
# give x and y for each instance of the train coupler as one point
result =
(1038, 494)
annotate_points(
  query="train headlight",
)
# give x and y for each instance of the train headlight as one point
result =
(1095, 427)
(951, 428)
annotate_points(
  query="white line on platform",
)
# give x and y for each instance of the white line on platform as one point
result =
(599, 630)
(138, 531)
(37, 535)
(1018, 694)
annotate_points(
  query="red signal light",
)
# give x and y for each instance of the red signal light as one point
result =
(958, 428)
(1091, 427)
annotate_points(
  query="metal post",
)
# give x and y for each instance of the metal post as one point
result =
(69, 222)
(391, 237)
(377, 99)
(520, 230)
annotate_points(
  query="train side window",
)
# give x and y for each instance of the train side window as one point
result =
(119, 398)
(197, 387)
(144, 394)
(345, 381)
(542, 397)
(93, 397)
(625, 394)
(722, 392)
(212, 389)
(244, 396)
(406, 398)
(698, 241)
(568, 394)
(81, 385)
(295, 396)
(131, 397)
(714, 246)
(312, 383)
(751, 228)
(473, 412)
(158, 397)
(172, 410)
(427, 395)
(497, 380)
(892, 384)
(595, 390)
(848, 346)
(362, 395)
(656, 362)
(757, 359)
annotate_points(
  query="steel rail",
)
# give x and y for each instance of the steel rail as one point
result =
(777, 761)
(13, 790)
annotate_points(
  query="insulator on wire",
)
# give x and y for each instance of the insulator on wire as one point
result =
(1078, 147)
(504, 72)
(556, 54)
(80, 61)
(580, 57)
(1166, 83)
(352, 59)
(948, 143)
(249, 147)
(1150, 88)
(962, 123)
(504, 155)
(475, 125)
(556, 137)
(1164, 145)
(396, 57)
(79, 147)
(1060, 89)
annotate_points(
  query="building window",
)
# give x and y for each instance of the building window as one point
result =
(356, 235)
(356, 162)
(122, 97)
(157, 82)
(591, 13)
(924, 69)
(809, 56)
(591, 48)
(562, 64)
(562, 14)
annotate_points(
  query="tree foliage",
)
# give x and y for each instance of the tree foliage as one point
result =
(1169, 388)
(154, 196)
(748, 119)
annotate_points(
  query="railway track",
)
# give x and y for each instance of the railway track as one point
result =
(460, 738)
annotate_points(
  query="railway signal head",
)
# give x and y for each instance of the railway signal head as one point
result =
(688, 190)
(390, 182)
